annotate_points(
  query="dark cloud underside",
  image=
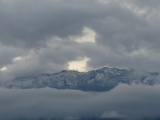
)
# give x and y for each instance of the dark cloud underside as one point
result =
(40, 32)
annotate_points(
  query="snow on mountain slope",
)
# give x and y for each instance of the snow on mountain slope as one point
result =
(103, 79)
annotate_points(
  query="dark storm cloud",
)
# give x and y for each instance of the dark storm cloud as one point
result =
(40, 32)
(29, 22)
(124, 102)
(129, 28)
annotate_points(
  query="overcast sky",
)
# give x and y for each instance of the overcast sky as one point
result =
(39, 36)
(124, 102)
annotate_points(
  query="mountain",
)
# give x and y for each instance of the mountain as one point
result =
(103, 79)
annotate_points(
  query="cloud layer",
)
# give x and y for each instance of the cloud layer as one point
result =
(46, 35)
(124, 102)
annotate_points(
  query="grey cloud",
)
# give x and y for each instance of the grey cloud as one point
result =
(115, 24)
(128, 102)
(146, 3)
(52, 57)
(40, 31)
(7, 53)
(100, 55)
(127, 31)
(30, 22)
(125, 38)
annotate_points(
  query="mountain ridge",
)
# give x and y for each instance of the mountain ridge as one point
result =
(103, 79)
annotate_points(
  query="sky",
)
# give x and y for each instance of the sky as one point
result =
(39, 36)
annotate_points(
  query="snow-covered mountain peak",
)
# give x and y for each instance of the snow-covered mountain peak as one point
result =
(103, 79)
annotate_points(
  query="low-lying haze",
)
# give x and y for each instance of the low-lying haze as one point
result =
(125, 102)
